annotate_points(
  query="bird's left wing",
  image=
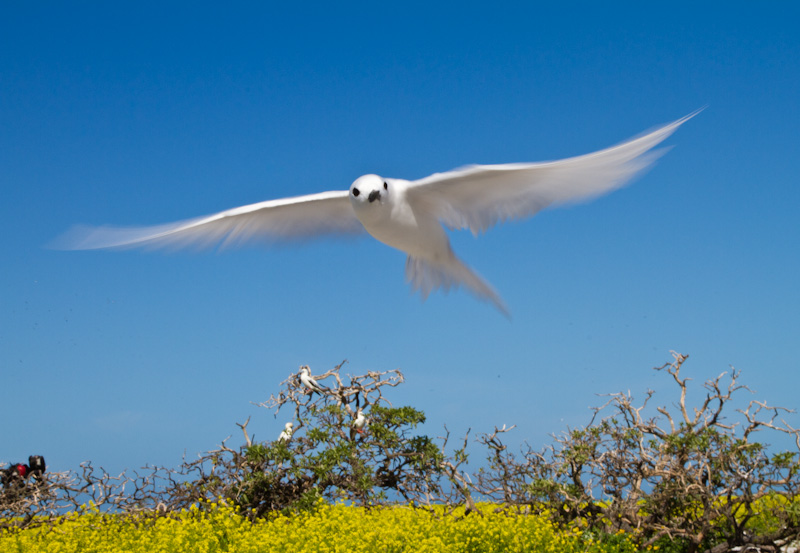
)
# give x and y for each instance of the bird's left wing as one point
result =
(480, 196)
(288, 219)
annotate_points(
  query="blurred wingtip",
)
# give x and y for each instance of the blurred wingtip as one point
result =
(75, 238)
(687, 117)
(85, 237)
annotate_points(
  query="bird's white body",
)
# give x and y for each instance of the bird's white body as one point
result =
(360, 422)
(308, 381)
(286, 434)
(393, 220)
(410, 216)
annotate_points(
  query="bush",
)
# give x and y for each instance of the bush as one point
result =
(685, 475)
(323, 454)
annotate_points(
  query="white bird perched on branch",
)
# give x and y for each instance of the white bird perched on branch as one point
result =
(286, 434)
(360, 422)
(406, 215)
(309, 382)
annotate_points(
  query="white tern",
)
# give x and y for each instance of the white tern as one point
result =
(407, 215)
(286, 434)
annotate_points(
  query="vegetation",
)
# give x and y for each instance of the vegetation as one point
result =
(325, 455)
(337, 527)
(691, 476)
(637, 477)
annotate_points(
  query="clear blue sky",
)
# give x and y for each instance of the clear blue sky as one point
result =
(148, 112)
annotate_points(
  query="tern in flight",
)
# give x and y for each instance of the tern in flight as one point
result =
(410, 216)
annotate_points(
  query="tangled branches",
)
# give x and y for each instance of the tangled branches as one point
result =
(44, 496)
(684, 475)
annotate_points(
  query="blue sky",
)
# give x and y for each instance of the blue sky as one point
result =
(144, 113)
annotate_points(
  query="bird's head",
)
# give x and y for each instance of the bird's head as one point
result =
(369, 191)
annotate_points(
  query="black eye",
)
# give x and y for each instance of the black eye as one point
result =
(385, 186)
(356, 192)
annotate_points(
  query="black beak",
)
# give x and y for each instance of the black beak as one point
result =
(374, 195)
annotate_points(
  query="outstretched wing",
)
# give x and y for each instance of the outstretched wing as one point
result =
(288, 219)
(480, 196)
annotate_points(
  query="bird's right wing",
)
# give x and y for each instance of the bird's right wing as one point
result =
(287, 219)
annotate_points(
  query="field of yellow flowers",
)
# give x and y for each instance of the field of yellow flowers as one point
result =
(330, 528)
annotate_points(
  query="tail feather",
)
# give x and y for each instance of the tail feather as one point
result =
(426, 276)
